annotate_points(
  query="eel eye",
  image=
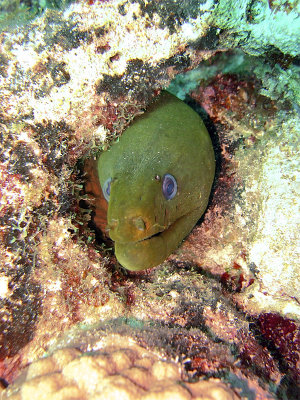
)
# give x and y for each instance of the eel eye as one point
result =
(169, 186)
(106, 189)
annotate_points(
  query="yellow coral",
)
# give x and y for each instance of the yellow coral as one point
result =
(116, 371)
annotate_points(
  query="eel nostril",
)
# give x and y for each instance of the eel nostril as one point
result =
(139, 223)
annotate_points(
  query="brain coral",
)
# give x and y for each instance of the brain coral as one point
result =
(115, 371)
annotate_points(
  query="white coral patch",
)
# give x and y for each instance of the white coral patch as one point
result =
(4, 290)
(275, 249)
(26, 56)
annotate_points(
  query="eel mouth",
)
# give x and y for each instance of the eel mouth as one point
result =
(147, 238)
(155, 234)
(164, 232)
(154, 249)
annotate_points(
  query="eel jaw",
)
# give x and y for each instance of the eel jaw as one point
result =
(153, 250)
(154, 235)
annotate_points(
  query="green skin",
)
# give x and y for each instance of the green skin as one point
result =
(170, 138)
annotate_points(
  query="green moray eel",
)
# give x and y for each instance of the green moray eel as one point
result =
(157, 180)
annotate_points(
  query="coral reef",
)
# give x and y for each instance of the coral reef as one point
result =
(115, 370)
(269, 143)
(226, 305)
(260, 25)
(64, 91)
(17, 12)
